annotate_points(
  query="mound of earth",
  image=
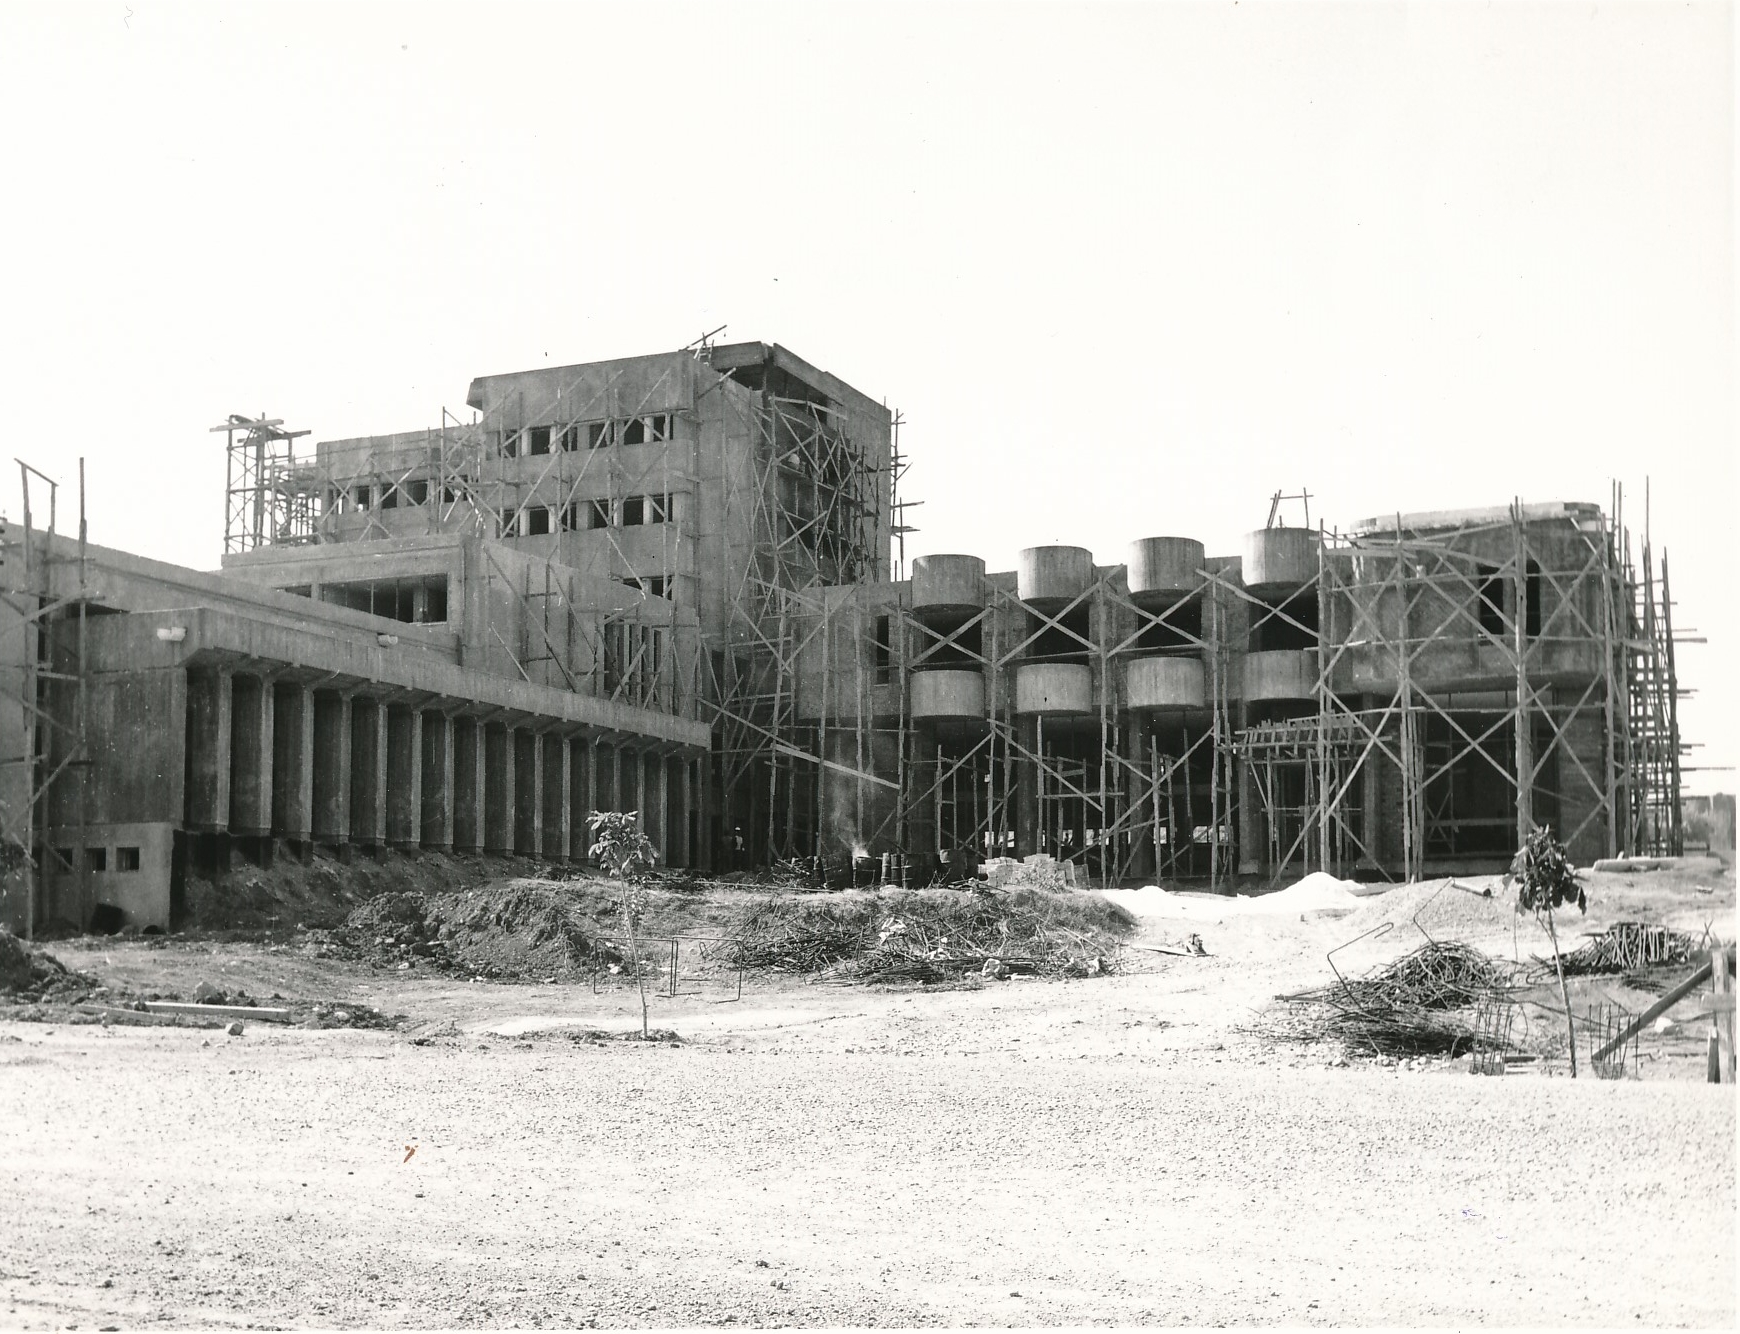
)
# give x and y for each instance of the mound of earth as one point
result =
(323, 892)
(28, 973)
(523, 928)
(929, 935)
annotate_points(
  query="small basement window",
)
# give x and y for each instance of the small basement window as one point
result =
(126, 859)
(97, 859)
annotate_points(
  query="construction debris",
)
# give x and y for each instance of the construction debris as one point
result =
(1628, 946)
(1405, 1008)
(929, 935)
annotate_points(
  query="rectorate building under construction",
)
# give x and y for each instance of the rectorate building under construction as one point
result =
(668, 584)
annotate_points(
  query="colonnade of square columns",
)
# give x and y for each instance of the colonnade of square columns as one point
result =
(271, 758)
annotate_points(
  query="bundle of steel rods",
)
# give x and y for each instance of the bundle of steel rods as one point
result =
(1625, 947)
(1403, 1008)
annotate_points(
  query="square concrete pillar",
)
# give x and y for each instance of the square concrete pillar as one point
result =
(437, 796)
(404, 777)
(528, 792)
(701, 817)
(208, 751)
(628, 781)
(332, 737)
(652, 803)
(677, 803)
(557, 796)
(368, 771)
(293, 762)
(469, 788)
(251, 755)
(498, 789)
(580, 798)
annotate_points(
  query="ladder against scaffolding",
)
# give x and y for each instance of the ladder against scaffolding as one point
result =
(43, 708)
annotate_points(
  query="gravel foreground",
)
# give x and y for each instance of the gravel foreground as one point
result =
(175, 1178)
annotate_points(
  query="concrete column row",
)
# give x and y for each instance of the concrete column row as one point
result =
(348, 768)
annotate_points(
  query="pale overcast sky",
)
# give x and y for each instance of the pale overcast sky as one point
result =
(1125, 269)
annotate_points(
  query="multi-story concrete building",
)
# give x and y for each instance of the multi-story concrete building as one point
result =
(663, 584)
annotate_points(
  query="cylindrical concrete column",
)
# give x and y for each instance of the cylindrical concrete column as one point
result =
(251, 755)
(208, 751)
(1051, 577)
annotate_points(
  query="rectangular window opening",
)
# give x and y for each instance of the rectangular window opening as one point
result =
(598, 514)
(389, 497)
(634, 511)
(634, 431)
(598, 435)
(538, 440)
(363, 496)
(537, 521)
(97, 859)
(510, 444)
(126, 859)
(416, 492)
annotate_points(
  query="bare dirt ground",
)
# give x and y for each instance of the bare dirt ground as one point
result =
(1129, 1149)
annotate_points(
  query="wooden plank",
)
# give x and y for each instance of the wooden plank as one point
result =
(1649, 1016)
(263, 1014)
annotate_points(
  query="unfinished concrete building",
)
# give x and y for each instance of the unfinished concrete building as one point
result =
(664, 584)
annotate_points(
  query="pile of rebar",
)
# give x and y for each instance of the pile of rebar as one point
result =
(1626, 947)
(1405, 1008)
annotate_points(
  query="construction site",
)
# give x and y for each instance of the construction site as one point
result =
(676, 585)
(566, 866)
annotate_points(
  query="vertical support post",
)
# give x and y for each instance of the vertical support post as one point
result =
(293, 762)
(436, 806)
(208, 751)
(1525, 766)
(251, 755)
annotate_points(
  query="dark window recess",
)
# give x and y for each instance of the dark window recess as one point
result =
(389, 497)
(416, 493)
(569, 440)
(633, 431)
(537, 521)
(1291, 625)
(634, 511)
(651, 584)
(1176, 631)
(598, 435)
(598, 514)
(63, 859)
(436, 603)
(1471, 797)
(510, 523)
(126, 859)
(449, 496)
(1532, 591)
(1491, 601)
(1056, 642)
(882, 647)
(363, 496)
(658, 509)
(961, 650)
(510, 444)
(96, 859)
(537, 440)
(301, 591)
